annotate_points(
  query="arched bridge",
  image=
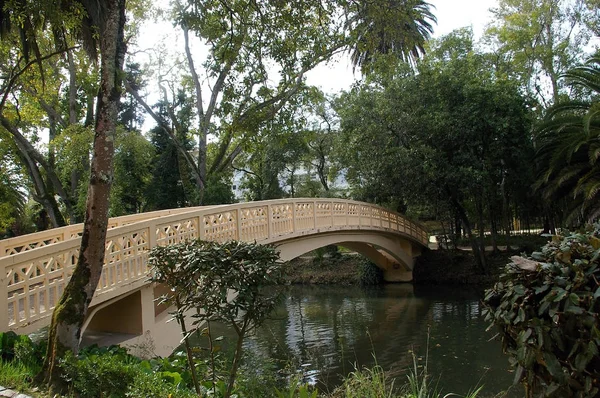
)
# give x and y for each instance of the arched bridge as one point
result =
(36, 267)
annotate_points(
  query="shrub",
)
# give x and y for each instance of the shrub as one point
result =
(546, 307)
(100, 372)
(153, 385)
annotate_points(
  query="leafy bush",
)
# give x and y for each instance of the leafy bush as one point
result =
(100, 372)
(546, 307)
(153, 385)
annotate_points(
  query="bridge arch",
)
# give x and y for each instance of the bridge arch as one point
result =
(393, 254)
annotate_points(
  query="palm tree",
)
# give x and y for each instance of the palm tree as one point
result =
(568, 147)
(399, 27)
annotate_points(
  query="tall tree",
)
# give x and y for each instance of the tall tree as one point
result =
(108, 19)
(541, 39)
(451, 134)
(389, 27)
(236, 89)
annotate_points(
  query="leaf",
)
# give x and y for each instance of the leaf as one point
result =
(592, 348)
(574, 310)
(518, 374)
(543, 308)
(553, 366)
(574, 298)
(541, 289)
(581, 361)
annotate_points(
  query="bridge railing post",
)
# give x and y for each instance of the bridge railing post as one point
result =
(201, 227)
(293, 216)
(269, 222)
(238, 220)
(314, 214)
(3, 299)
(332, 214)
(347, 210)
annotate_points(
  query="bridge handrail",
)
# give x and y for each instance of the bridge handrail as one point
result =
(18, 244)
(33, 280)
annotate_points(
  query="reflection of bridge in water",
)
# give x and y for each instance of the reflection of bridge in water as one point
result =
(38, 266)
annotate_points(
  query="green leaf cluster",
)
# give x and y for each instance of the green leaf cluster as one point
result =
(546, 307)
(113, 372)
(221, 282)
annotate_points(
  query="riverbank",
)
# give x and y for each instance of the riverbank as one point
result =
(434, 267)
(342, 269)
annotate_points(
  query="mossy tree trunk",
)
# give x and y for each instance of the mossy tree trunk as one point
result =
(69, 314)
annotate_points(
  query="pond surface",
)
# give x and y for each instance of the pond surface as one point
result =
(325, 331)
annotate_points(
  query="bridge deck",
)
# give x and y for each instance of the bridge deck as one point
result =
(38, 266)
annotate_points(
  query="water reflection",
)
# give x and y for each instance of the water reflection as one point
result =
(328, 331)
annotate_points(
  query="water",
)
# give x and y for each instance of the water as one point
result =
(325, 332)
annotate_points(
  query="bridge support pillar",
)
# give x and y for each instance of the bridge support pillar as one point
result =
(147, 308)
(393, 269)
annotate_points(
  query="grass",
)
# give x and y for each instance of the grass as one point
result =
(16, 376)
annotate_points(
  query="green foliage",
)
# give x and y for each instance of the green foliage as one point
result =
(390, 27)
(20, 348)
(218, 191)
(132, 175)
(16, 375)
(454, 137)
(223, 282)
(546, 307)
(366, 383)
(370, 274)
(99, 372)
(297, 390)
(567, 147)
(540, 39)
(20, 360)
(112, 372)
(153, 385)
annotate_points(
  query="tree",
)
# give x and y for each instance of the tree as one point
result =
(12, 202)
(202, 276)
(389, 27)
(541, 40)
(45, 93)
(449, 137)
(248, 40)
(568, 146)
(109, 20)
(132, 173)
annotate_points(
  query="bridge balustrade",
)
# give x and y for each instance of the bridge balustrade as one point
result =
(38, 267)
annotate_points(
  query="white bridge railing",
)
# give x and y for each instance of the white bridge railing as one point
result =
(37, 267)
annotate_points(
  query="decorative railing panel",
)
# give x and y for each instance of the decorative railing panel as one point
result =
(40, 239)
(254, 223)
(36, 268)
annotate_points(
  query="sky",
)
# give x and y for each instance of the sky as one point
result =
(450, 14)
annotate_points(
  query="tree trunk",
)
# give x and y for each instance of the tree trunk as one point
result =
(70, 313)
(478, 253)
(237, 356)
